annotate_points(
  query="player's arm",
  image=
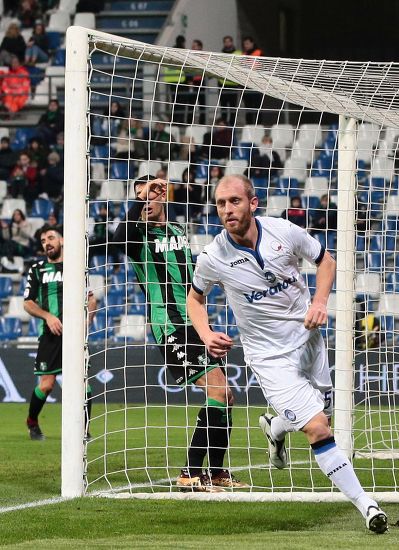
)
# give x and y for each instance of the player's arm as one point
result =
(91, 306)
(217, 343)
(53, 323)
(325, 274)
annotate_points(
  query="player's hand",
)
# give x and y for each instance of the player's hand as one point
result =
(316, 315)
(154, 190)
(218, 343)
(54, 324)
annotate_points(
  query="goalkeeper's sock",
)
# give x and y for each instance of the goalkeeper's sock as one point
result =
(337, 467)
(220, 424)
(37, 402)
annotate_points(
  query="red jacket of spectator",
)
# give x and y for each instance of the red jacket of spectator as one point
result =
(15, 88)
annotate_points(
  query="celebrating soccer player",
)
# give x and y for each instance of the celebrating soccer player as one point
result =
(160, 253)
(43, 299)
(255, 259)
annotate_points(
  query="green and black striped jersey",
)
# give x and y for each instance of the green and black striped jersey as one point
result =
(44, 286)
(162, 260)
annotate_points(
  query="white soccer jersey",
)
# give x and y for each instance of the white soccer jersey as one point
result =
(264, 288)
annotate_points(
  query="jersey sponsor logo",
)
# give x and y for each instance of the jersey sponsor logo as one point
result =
(257, 295)
(239, 261)
(173, 243)
(52, 277)
(290, 415)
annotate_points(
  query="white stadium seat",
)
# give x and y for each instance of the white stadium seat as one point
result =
(176, 169)
(368, 283)
(113, 190)
(392, 206)
(9, 205)
(235, 166)
(252, 134)
(382, 168)
(276, 204)
(282, 135)
(303, 151)
(310, 135)
(196, 133)
(16, 263)
(35, 224)
(332, 305)
(148, 167)
(16, 309)
(85, 19)
(68, 6)
(97, 286)
(131, 326)
(388, 304)
(316, 187)
(3, 190)
(59, 21)
(295, 168)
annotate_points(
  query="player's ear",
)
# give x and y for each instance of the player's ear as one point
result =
(254, 203)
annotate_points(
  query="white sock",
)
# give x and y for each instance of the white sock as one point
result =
(337, 467)
(280, 427)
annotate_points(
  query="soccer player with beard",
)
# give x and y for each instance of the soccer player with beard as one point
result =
(160, 254)
(255, 259)
(43, 299)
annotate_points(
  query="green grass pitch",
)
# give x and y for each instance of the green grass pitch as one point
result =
(30, 471)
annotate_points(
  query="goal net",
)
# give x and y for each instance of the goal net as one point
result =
(319, 140)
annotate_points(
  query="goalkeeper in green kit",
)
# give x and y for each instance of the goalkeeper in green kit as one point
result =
(160, 253)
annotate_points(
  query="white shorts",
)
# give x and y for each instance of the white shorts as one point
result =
(298, 384)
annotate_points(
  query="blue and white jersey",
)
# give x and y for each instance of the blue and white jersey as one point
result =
(264, 288)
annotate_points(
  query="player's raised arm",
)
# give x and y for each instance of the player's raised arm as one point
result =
(217, 343)
(317, 313)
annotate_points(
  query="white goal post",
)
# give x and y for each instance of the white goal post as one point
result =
(334, 126)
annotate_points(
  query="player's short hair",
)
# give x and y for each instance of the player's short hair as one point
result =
(248, 186)
(143, 179)
(47, 227)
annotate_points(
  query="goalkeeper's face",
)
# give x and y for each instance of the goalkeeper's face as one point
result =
(235, 208)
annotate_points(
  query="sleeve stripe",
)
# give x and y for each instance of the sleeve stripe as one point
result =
(320, 256)
(198, 290)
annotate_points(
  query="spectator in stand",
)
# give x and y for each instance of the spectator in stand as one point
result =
(13, 43)
(37, 152)
(15, 87)
(132, 140)
(113, 119)
(229, 89)
(295, 214)
(264, 162)
(196, 94)
(23, 179)
(8, 158)
(52, 177)
(217, 142)
(325, 217)
(187, 195)
(37, 48)
(252, 99)
(162, 146)
(58, 147)
(51, 123)
(28, 11)
(17, 234)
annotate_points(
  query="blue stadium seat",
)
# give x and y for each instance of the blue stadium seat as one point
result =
(115, 304)
(21, 287)
(310, 279)
(100, 153)
(360, 243)
(5, 287)
(392, 281)
(22, 137)
(10, 328)
(376, 243)
(321, 237)
(261, 186)
(95, 207)
(99, 330)
(119, 170)
(42, 208)
(243, 151)
(54, 39)
(377, 183)
(292, 185)
(375, 261)
(98, 266)
(59, 58)
(33, 328)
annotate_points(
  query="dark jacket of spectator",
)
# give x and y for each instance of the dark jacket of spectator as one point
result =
(52, 177)
(51, 122)
(325, 217)
(217, 144)
(8, 158)
(264, 162)
(295, 214)
(12, 44)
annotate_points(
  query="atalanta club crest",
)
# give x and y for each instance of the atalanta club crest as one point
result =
(276, 246)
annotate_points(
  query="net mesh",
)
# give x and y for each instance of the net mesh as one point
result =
(192, 117)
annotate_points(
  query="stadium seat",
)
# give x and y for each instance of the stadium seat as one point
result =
(68, 6)
(317, 187)
(310, 135)
(176, 169)
(290, 186)
(54, 40)
(3, 190)
(16, 309)
(235, 167)
(9, 205)
(197, 133)
(303, 151)
(17, 263)
(332, 305)
(295, 168)
(59, 58)
(131, 327)
(33, 327)
(261, 186)
(97, 285)
(282, 135)
(35, 224)
(113, 190)
(198, 242)
(5, 287)
(99, 330)
(252, 134)
(22, 137)
(10, 328)
(42, 208)
(115, 304)
(368, 284)
(59, 21)
(98, 266)
(85, 19)
(148, 167)
(276, 204)
(374, 261)
(119, 170)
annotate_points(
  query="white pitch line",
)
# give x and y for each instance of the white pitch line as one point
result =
(34, 504)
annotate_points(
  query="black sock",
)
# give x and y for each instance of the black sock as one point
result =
(219, 436)
(199, 444)
(211, 436)
(37, 402)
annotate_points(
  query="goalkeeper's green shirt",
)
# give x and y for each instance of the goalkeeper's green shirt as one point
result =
(162, 260)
